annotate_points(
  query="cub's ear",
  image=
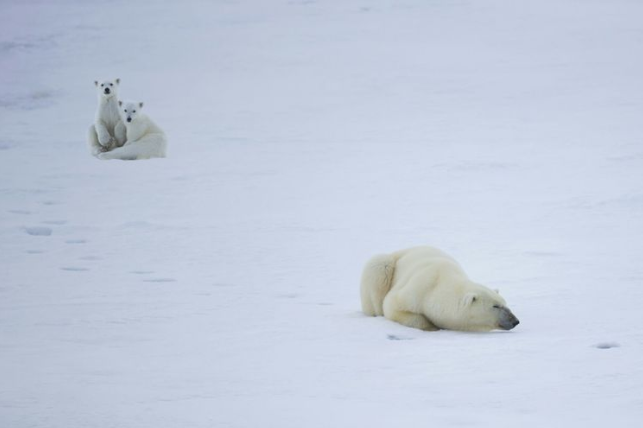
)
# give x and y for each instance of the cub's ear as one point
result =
(140, 105)
(496, 290)
(118, 81)
(469, 299)
(120, 103)
(95, 82)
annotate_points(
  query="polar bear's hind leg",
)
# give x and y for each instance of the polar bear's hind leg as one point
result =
(376, 283)
(120, 134)
(122, 153)
(92, 141)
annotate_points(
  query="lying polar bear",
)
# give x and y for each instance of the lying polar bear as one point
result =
(424, 288)
(145, 139)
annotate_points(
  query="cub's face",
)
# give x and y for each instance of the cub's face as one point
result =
(130, 110)
(107, 88)
(486, 310)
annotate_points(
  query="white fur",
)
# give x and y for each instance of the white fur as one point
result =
(108, 131)
(144, 138)
(424, 288)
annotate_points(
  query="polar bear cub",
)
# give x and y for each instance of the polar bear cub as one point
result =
(424, 288)
(144, 138)
(108, 130)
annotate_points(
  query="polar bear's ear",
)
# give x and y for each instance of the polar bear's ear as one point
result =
(120, 103)
(469, 299)
(118, 81)
(140, 105)
(95, 82)
(496, 290)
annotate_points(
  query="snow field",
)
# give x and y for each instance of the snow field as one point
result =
(219, 287)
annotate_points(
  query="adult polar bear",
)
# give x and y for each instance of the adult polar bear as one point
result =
(424, 288)
(145, 139)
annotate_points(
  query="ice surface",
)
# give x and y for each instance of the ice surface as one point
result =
(219, 287)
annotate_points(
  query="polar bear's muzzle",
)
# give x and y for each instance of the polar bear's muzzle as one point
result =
(108, 91)
(507, 319)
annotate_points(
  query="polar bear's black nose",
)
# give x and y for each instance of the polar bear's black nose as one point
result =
(107, 90)
(507, 319)
(129, 119)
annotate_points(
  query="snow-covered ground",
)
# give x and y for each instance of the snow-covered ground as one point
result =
(219, 287)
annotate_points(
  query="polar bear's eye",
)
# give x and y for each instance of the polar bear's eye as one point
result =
(496, 306)
(133, 111)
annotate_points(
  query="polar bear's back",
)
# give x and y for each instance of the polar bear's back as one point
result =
(153, 128)
(413, 260)
(421, 272)
(405, 276)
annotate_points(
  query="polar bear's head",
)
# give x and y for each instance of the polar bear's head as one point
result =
(486, 310)
(107, 88)
(130, 110)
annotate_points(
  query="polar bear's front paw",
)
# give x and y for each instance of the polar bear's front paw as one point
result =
(108, 145)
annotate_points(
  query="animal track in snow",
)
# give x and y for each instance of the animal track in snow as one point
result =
(6, 145)
(74, 269)
(397, 337)
(287, 296)
(38, 231)
(606, 345)
(28, 100)
(75, 241)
